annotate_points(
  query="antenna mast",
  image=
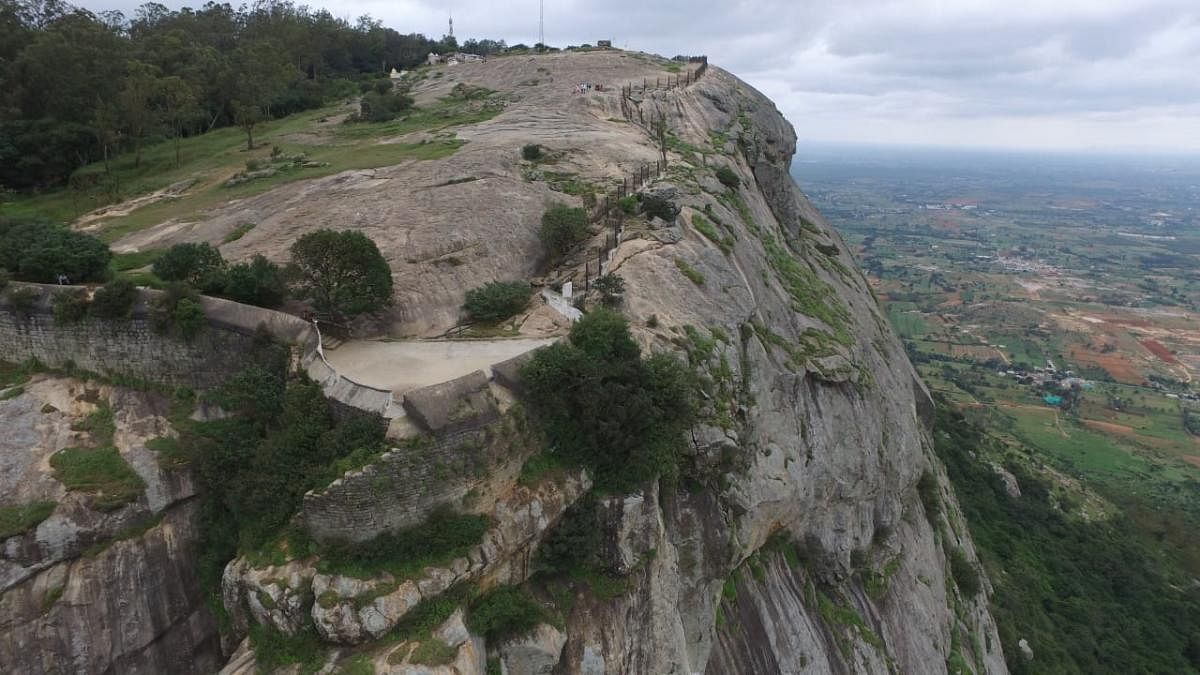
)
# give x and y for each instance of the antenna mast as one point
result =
(542, 22)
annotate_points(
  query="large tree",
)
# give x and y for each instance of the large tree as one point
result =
(342, 273)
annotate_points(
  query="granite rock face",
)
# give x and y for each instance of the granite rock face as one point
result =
(88, 591)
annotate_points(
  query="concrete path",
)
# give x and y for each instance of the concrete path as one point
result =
(404, 366)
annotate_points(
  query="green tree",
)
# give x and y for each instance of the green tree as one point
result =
(176, 105)
(114, 300)
(563, 228)
(199, 265)
(342, 273)
(602, 405)
(259, 282)
(134, 101)
(35, 251)
(611, 288)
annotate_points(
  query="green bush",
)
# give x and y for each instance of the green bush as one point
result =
(444, 536)
(383, 107)
(342, 273)
(531, 152)
(563, 228)
(927, 490)
(259, 282)
(19, 519)
(178, 312)
(628, 204)
(574, 542)
(114, 300)
(23, 299)
(99, 472)
(505, 612)
(497, 300)
(69, 306)
(611, 288)
(964, 573)
(728, 178)
(198, 265)
(5, 277)
(604, 406)
(35, 251)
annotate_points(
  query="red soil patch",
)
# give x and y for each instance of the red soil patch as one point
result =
(1159, 350)
(1114, 364)
(1192, 459)
(1109, 427)
(946, 223)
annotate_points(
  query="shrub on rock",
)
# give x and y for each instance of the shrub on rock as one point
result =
(497, 301)
(563, 227)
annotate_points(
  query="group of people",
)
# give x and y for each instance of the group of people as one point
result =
(585, 87)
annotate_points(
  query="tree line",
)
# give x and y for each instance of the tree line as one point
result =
(80, 87)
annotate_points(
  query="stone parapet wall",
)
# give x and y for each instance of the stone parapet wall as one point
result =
(401, 488)
(132, 348)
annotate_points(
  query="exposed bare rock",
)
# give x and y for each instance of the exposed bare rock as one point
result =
(534, 654)
(93, 591)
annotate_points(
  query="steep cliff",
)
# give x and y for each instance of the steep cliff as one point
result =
(799, 541)
(97, 585)
(811, 528)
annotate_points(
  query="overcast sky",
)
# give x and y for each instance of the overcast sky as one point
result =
(1050, 74)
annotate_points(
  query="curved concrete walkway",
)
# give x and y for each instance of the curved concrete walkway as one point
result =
(404, 366)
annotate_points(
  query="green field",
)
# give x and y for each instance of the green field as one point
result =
(210, 159)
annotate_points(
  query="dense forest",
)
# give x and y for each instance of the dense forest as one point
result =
(1102, 596)
(79, 87)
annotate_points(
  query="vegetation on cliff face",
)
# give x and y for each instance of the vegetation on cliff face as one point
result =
(1089, 597)
(605, 407)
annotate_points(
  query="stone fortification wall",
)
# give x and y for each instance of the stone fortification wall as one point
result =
(402, 488)
(131, 347)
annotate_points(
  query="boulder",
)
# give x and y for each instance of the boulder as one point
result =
(534, 654)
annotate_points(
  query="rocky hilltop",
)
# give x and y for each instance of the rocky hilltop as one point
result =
(813, 530)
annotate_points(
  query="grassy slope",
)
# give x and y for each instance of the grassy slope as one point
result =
(214, 157)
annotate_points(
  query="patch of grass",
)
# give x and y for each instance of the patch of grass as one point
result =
(835, 614)
(810, 296)
(964, 573)
(539, 466)
(99, 423)
(433, 652)
(237, 233)
(13, 374)
(690, 272)
(52, 596)
(505, 612)
(124, 262)
(707, 229)
(430, 613)
(359, 665)
(20, 519)
(274, 649)
(11, 393)
(171, 453)
(927, 490)
(99, 472)
(443, 537)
